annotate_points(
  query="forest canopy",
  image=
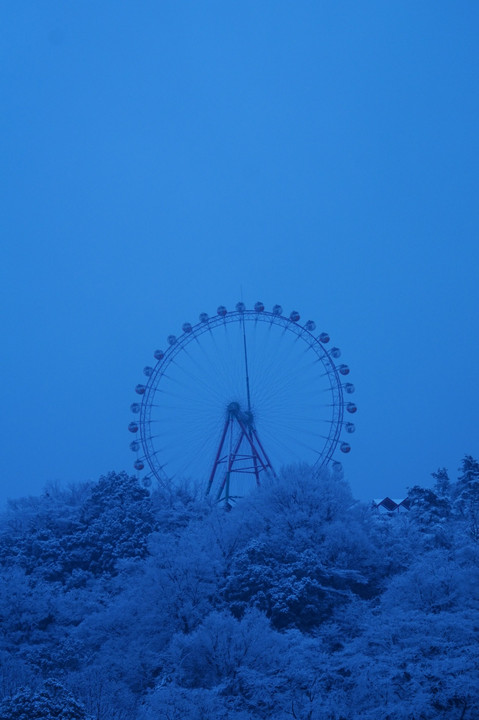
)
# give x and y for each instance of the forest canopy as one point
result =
(123, 603)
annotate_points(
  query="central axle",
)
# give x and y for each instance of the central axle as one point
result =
(245, 416)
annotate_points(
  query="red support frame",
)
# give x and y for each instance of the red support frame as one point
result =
(236, 420)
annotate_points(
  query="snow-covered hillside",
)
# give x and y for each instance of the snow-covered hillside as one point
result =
(122, 604)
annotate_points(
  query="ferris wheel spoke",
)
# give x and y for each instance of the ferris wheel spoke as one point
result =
(295, 449)
(327, 373)
(312, 450)
(298, 422)
(219, 355)
(270, 358)
(281, 403)
(286, 374)
(283, 398)
(194, 361)
(187, 391)
(209, 359)
(168, 394)
(192, 376)
(286, 431)
(150, 438)
(154, 455)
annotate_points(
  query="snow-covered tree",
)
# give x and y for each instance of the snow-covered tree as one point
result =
(466, 500)
(52, 702)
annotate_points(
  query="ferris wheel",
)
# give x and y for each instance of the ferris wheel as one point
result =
(238, 395)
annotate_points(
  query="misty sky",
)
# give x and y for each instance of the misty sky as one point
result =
(161, 158)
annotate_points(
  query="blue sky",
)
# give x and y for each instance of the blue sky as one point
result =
(158, 159)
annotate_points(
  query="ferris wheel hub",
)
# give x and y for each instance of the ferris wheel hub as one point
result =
(234, 410)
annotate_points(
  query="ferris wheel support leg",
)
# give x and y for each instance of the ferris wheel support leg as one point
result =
(264, 465)
(231, 460)
(218, 455)
(255, 463)
(268, 461)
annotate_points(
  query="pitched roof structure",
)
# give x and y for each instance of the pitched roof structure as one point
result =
(391, 505)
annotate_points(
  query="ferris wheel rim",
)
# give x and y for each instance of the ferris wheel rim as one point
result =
(177, 344)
